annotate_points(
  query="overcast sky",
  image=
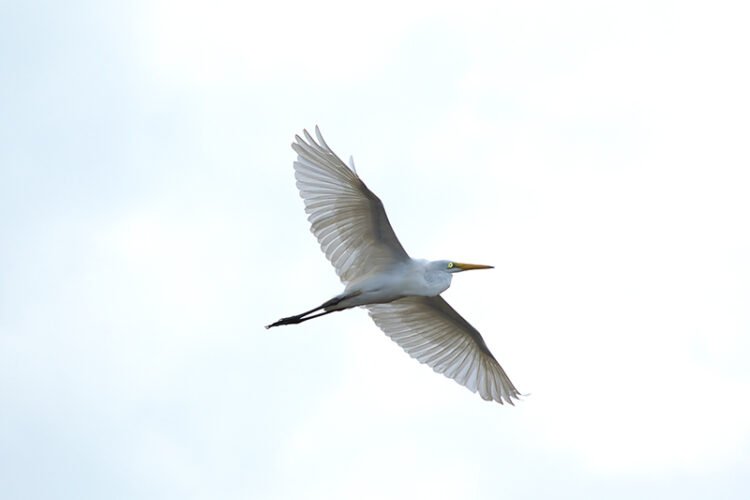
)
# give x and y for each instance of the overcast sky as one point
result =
(596, 153)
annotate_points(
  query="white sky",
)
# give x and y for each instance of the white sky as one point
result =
(595, 153)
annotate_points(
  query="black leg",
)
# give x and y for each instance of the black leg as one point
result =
(300, 318)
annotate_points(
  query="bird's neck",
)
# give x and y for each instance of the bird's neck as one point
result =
(437, 281)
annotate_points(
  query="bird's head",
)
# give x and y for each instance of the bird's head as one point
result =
(450, 266)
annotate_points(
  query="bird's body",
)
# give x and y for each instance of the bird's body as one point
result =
(416, 277)
(401, 294)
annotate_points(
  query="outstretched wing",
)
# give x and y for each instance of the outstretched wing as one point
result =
(432, 332)
(347, 218)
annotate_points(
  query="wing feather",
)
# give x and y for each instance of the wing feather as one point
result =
(347, 219)
(433, 333)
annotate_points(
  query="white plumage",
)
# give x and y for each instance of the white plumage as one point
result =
(401, 294)
(346, 217)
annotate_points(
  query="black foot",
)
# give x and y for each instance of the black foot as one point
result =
(291, 320)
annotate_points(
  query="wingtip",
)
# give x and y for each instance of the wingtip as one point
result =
(514, 397)
(308, 136)
(320, 138)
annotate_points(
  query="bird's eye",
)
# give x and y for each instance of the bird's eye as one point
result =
(450, 265)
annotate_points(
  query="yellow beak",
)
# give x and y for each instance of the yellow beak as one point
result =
(469, 267)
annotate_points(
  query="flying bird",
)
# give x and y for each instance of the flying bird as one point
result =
(401, 294)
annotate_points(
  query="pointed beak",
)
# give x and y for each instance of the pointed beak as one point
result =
(469, 267)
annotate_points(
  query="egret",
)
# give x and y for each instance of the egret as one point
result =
(401, 294)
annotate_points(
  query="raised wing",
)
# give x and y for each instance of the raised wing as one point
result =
(347, 218)
(432, 332)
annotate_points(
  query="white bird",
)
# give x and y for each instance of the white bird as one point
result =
(401, 294)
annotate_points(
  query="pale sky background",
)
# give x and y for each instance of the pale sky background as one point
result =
(597, 153)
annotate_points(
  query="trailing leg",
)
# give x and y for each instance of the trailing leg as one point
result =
(293, 320)
(299, 318)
